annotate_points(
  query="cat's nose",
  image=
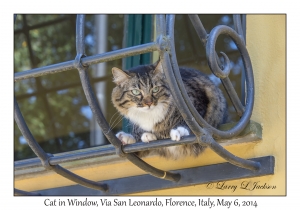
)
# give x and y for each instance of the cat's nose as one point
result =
(149, 103)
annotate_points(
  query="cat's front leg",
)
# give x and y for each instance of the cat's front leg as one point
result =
(125, 138)
(147, 137)
(177, 133)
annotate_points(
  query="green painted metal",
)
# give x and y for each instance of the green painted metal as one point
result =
(138, 30)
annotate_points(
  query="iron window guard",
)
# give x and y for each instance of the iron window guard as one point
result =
(204, 133)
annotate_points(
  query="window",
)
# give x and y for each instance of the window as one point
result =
(54, 104)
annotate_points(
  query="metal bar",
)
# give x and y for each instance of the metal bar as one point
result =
(160, 26)
(176, 92)
(104, 151)
(223, 72)
(243, 79)
(103, 123)
(55, 68)
(238, 26)
(86, 61)
(240, 162)
(44, 157)
(218, 30)
(211, 174)
(201, 32)
(62, 87)
(195, 48)
(244, 26)
(237, 104)
(27, 134)
(38, 82)
(253, 133)
(80, 180)
(203, 36)
(250, 82)
(240, 30)
(185, 106)
(69, 157)
(202, 134)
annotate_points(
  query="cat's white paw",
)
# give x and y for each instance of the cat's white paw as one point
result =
(176, 134)
(147, 137)
(125, 138)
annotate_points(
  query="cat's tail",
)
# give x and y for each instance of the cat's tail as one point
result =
(216, 111)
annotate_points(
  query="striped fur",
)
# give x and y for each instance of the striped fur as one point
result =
(142, 95)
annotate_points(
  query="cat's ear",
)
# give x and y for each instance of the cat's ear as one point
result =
(119, 75)
(158, 68)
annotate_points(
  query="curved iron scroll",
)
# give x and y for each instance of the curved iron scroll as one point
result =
(204, 133)
(198, 125)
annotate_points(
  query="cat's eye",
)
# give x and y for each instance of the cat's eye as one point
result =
(155, 89)
(135, 92)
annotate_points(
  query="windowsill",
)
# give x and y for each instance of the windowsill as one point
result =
(252, 133)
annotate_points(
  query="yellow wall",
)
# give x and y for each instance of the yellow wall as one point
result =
(266, 46)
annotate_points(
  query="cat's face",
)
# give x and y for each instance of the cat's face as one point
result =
(143, 89)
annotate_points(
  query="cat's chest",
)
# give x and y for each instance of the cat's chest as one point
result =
(147, 119)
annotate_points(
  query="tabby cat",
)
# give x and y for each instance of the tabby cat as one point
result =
(142, 95)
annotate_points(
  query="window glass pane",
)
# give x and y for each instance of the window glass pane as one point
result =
(54, 106)
(55, 43)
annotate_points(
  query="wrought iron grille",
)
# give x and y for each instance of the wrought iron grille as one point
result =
(203, 133)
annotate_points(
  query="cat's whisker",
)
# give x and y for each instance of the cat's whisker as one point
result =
(117, 119)
(113, 117)
(113, 126)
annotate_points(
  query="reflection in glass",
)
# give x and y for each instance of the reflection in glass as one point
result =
(55, 107)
